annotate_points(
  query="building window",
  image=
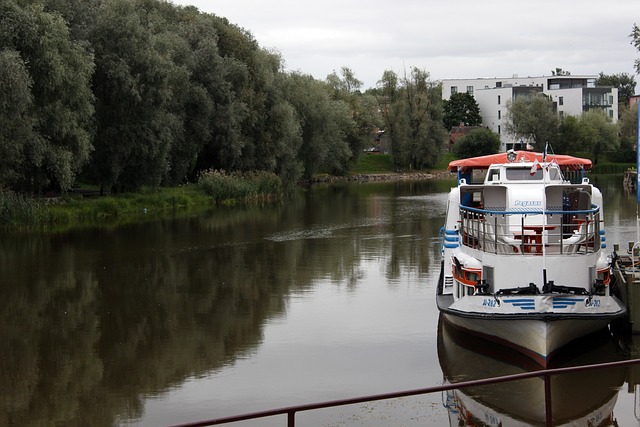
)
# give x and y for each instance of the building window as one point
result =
(498, 84)
(561, 100)
(454, 90)
(498, 99)
(498, 129)
(499, 114)
(470, 90)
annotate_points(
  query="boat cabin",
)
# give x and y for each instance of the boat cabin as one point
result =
(524, 207)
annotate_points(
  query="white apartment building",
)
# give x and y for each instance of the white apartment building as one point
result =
(571, 95)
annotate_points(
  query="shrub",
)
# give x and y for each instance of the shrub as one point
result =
(239, 186)
(478, 142)
(16, 209)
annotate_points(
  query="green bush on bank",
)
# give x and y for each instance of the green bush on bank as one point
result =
(249, 186)
(17, 209)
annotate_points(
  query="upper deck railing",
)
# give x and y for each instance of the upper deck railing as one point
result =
(531, 232)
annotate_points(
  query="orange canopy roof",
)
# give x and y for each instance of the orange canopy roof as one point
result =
(483, 162)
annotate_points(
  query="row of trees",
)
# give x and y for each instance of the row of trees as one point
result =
(534, 119)
(131, 93)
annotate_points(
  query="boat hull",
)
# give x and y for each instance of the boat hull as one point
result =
(464, 357)
(539, 333)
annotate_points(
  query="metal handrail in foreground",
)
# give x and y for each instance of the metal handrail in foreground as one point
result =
(292, 410)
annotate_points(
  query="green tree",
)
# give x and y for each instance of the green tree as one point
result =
(628, 125)
(253, 127)
(363, 109)
(322, 122)
(592, 134)
(271, 132)
(60, 107)
(136, 83)
(16, 124)
(344, 84)
(412, 109)
(625, 83)
(221, 50)
(599, 135)
(532, 117)
(79, 14)
(478, 142)
(388, 94)
(461, 107)
(569, 137)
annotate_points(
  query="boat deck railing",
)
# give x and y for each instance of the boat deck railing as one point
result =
(545, 374)
(521, 232)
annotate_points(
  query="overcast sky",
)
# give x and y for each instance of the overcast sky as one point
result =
(447, 38)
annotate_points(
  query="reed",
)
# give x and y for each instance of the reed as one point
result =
(17, 210)
(228, 188)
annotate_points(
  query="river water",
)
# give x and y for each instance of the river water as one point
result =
(327, 296)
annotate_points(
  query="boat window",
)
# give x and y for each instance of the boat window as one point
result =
(494, 175)
(523, 174)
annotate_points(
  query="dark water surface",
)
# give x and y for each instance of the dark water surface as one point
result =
(325, 297)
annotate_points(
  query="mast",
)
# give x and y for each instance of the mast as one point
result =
(638, 176)
(545, 172)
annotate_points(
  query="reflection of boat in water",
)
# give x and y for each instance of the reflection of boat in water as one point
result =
(578, 399)
(523, 263)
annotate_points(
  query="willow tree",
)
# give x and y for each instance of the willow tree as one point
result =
(16, 124)
(363, 109)
(47, 104)
(412, 109)
(323, 124)
(136, 82)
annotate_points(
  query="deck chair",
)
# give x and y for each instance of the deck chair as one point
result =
(572, 243)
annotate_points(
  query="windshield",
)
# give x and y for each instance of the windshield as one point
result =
(524, 174)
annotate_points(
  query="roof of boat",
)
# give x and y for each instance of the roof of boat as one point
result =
(483, 162)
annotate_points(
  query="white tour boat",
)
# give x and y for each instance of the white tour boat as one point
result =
(523, 260)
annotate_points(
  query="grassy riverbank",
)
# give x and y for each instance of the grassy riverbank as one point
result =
(214, 188)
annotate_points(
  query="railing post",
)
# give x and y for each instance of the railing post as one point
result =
(547, 400)
(291, 419)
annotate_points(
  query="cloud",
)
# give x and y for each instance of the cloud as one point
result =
(453, 39)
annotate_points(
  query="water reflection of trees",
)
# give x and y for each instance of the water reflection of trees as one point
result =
(94, 321)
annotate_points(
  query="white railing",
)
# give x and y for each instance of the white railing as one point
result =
(531, 232)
